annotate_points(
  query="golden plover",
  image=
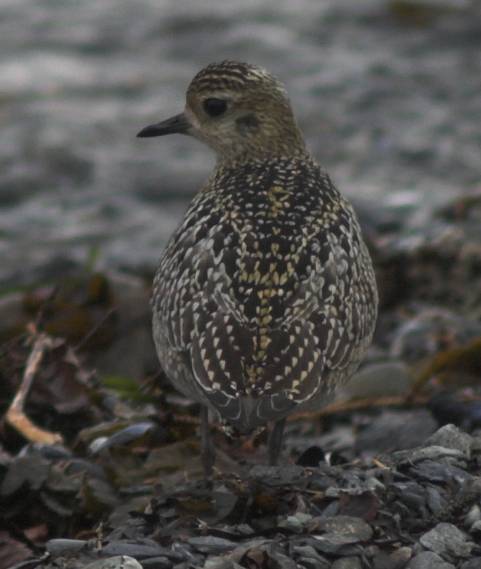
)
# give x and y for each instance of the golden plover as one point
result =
(265, 298)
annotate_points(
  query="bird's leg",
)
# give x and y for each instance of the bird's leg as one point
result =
(275, 441)
(207, 448)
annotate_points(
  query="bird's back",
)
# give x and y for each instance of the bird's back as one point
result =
(265, 297)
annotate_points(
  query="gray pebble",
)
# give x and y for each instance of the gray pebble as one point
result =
(450, 436)
(354, 528)
(396, 560)
(137, 550)
(116, 562)
(428, 560)
(58, 547)
(157, 563)
(347, 563)
(311, 563)
(473, 516)
(473, 563)
(447, 539)
(211, 544)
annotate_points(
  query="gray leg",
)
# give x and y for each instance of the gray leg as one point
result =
(207, 448)
(275, 441)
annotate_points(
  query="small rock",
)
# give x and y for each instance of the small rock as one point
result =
(57, 547)
(473, 563)
(116, 562)
(428, 453)
(447, 539)
(157, 563)
(473, 516)
(333, 543)
(396, 560)
(310, 563)
(137, 550)
(428, 560)
(450, 436)
(307, 555)
(296, 522)
(348, 526)
(347, 563)
(476, 527)
(211, 544)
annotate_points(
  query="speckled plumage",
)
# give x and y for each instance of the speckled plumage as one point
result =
(265, 297)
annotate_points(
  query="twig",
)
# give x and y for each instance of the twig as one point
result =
(95, 329)
(15, 415)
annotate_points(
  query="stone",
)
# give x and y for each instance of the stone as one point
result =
(347, 563)
(354, 528)
(447, 539)
(116, 562)
(450, 436)
(428, 560)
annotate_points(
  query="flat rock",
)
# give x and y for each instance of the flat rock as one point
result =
(347, 563)
(428, 560)
(450, 436)
(116, 562)
(447, 539)
(354, 528)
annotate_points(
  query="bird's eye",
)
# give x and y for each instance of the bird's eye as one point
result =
(215, 107)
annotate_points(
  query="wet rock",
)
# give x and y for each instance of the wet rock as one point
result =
(447, 539)
(428, 560)
(450, 436)
(115, 562)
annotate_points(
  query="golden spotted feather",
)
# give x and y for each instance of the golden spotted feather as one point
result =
(265, 298)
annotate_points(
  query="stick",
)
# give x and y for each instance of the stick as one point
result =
(15, 415)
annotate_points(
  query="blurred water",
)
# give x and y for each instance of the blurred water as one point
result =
(389, 105)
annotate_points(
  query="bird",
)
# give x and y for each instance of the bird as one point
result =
(265, 299)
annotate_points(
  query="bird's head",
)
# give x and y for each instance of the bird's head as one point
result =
(239, 110)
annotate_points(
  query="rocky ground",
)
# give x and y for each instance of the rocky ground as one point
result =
(99, 457)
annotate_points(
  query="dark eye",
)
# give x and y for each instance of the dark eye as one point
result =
(215, 107)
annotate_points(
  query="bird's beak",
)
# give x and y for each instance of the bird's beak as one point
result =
(177, 124)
